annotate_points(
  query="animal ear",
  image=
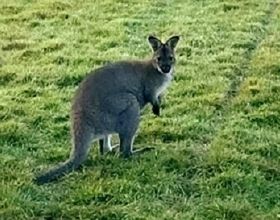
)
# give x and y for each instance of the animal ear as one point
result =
(154, 42)
(172, 42)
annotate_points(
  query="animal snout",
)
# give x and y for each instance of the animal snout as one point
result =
(166, 68)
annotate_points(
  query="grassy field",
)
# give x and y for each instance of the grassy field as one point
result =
(217, 142)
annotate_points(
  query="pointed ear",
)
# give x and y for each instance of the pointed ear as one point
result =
(172, 42)
(154, 42)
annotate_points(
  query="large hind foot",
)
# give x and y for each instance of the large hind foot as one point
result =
(142, 150)
(137, 152)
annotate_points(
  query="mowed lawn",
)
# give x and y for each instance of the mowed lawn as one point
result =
(217, 141)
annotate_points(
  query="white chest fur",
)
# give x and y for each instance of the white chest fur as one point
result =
(165, 84)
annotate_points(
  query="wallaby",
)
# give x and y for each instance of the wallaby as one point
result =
(109, 101)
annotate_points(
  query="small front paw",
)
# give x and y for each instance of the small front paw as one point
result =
(156, 110)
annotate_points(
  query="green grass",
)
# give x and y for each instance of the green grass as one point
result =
(217, 142)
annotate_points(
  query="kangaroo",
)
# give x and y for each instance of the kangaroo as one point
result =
(108, 101)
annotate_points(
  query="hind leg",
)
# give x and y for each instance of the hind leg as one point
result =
(127, 126)
(126, 146)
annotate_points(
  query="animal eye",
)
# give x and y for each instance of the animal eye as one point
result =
(158, 59)
(171, 58)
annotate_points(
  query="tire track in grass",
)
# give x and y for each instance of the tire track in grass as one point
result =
(239, 74)
(243, 157)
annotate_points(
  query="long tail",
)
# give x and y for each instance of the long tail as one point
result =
(57, 172)
(81, 140)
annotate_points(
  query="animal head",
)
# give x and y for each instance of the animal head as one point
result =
(164, 53)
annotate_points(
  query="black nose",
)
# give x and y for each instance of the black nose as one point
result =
(165, 68)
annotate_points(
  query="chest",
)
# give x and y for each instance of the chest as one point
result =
(163, 85)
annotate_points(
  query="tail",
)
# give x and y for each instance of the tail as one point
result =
(81, 140)
(57, 172)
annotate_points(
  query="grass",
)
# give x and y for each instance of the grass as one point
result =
(217, 142)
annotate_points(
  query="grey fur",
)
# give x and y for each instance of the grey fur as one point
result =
(109, 101)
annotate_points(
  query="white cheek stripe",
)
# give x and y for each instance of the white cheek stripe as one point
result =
(159, 69)
(169, 73)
